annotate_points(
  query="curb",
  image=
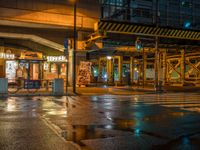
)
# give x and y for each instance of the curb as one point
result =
(58, 132)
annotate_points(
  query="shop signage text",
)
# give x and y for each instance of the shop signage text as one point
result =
(7, 56)
(31, 55)
(56, 59)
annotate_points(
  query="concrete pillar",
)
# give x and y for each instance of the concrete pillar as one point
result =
(120, 67)
(164, 67)
(156, 83)
(132, 69)
(167, 71)
(70, 74)
(159, 66)
(100, 70)
(183, 66)
(144, 67)
(41, 70)
(110, 70)
(2, 62)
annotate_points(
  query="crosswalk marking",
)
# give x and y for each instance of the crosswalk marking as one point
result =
(190, 102)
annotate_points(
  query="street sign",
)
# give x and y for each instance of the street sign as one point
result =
(32, 84)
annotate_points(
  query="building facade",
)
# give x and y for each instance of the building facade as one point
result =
(172, 13)
(43, 27)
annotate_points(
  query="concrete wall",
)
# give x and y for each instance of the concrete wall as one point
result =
(50, 12)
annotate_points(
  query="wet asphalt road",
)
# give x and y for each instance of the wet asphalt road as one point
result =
(149, 121)
(21, 127)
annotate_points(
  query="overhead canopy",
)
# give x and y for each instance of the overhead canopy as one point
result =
(145, 30)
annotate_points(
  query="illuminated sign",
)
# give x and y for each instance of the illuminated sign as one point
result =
(56, 59)
(7, 56)
(31, 55)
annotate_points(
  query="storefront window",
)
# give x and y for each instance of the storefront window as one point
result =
(11, 67)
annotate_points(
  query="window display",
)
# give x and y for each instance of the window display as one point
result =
(11, 67)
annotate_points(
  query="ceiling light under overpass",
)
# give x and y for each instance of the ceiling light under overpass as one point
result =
(109, 57)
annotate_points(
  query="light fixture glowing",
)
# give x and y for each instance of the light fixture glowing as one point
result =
(109, 57)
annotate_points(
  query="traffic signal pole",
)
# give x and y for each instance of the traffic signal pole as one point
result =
(74, 50)
(157, 55)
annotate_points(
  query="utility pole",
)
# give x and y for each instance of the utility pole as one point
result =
(74, 50)
(157, 89)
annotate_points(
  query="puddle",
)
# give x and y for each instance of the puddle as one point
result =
(120, 127)
(77, 133)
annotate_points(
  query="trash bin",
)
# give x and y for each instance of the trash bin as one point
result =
(3, 87)
(58, 87)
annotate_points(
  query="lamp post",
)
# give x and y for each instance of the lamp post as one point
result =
(74, 50)
(157, 79)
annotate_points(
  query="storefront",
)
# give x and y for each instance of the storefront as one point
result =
(24, 66)
(28, 65)
(55, 67)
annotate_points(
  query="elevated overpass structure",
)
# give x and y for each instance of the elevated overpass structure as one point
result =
(44, 25)
(168, 55)
(48, 20)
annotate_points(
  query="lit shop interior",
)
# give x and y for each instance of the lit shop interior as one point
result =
(22, 65)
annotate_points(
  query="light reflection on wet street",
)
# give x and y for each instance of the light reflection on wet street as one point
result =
(149, 121)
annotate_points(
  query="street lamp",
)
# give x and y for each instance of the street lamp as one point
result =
(74, 50)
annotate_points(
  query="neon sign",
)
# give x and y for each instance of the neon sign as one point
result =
(7, 56)
(56, 59)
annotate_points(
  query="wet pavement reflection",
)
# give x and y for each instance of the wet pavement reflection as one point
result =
(131, 122)
(149, 121)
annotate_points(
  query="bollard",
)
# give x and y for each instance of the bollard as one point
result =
(58, 87)
(3, 87)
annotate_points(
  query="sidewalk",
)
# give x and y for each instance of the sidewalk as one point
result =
(123, 90)
(111, 90)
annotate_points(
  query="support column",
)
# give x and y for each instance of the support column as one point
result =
(159, 66)
(120, 66)
(42, 70)
(164, 67)
(70, 67)
(132, 69)
(144, 67)
(156, 83)
(100, 70)
(183, 66)
(110, 71)
(2, 62)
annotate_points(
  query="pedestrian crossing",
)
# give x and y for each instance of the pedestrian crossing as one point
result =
(183, 101)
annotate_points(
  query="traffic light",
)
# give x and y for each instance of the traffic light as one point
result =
(187, 24)
(138, 44)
